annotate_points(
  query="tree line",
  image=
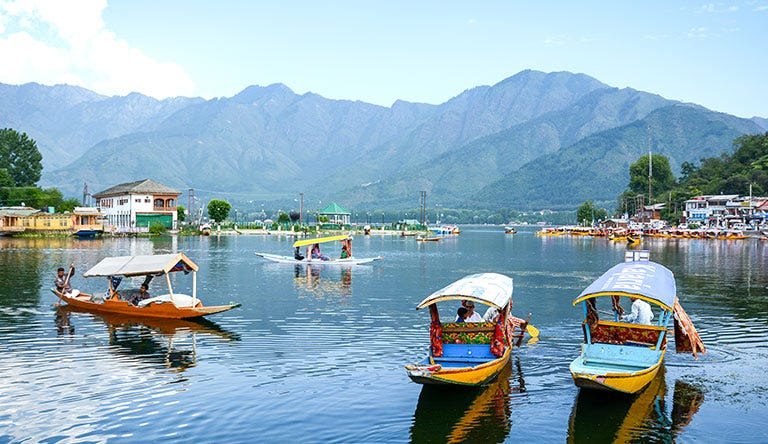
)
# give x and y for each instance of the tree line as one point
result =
(729, 173)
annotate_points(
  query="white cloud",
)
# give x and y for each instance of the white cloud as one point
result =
(716, 8)
(53, 41)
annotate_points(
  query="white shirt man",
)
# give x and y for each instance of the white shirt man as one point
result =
(641, 313)
(472, 315)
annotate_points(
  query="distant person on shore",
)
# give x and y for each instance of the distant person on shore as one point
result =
(461, 314)
(641, 313)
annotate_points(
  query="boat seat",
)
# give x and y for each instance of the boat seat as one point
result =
(609, 332)
(618, 356)
(468, 332)
(466, 353)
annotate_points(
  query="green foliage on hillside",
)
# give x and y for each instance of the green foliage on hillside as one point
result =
(587, 213)
(725, 174)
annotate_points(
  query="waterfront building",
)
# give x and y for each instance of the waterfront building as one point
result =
(12, 219)
(335, 213)
(134, 206)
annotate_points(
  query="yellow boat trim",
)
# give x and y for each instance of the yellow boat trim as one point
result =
(621, 293)
(319, 240)
(623, 382)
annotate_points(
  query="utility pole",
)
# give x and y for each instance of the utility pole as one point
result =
(301, 209)
(423, 219)
(85, 194)
(190, 203)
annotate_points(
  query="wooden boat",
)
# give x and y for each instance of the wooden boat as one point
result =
(298, 258)
(170, 306)
(470, 353)
(428, 238)
(633, 240)
(510, 230)
(621, 356)
(205, 229)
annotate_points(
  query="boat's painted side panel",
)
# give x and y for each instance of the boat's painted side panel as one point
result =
(461, 372)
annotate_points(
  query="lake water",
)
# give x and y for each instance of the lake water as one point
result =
(319, 357)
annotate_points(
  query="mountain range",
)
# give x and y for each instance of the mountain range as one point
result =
(533, 140)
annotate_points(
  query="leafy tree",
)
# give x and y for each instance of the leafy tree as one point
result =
(218, 209)
(5, 178)
(587, 212)
(283, 218)
(156, 228)
(294, 215)
(181, 213)
(20, 157)
(662, 177)
(67, 205)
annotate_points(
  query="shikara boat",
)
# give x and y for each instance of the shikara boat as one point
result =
(470, 353)
(621, 356)
(428, 238)
(298, 258)
(169, 306)
(510, 230)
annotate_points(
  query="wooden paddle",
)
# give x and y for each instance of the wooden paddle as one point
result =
(533, 331)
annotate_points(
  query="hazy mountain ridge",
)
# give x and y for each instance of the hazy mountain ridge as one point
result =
(269, 143)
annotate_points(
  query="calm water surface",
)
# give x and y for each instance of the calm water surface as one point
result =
(317, 356)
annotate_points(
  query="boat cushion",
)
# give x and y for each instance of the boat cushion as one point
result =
(611, 333)
(180, 300)
(466, 352)
(468, 332)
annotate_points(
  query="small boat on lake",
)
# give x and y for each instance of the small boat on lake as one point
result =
(622, 356)
(428, 238)
(170, 305)
(510, 230)
(470, 353)
(313, 255)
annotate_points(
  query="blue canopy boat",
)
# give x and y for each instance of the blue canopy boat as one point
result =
(620, 355)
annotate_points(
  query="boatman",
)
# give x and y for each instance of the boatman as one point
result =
(62, 281)
(641, 313)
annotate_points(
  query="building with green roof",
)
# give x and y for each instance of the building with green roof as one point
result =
(335, 214)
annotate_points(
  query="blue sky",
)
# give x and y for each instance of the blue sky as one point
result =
(707, 53)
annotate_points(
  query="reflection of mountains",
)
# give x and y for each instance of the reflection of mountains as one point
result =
(168, 342)
(445, 414)
(607, 417)
(321, 280)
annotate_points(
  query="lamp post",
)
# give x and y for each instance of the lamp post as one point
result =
(301, 209)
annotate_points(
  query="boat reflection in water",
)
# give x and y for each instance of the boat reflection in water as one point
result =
(482, 414)
(171, 343)
(324, 280)
(613, 417)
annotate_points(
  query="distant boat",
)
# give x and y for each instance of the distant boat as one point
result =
(510, 230)
(300, 259)
(428, 238)
(205, 229)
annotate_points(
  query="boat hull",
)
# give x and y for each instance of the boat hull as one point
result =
(165, 310)
(468, 376)
(629, 382)
(290, 260)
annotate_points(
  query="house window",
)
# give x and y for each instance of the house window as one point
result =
(137, 200)
(147, 200)
(159, 203)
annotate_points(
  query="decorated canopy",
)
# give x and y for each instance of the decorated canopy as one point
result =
(141, 265)
(643, 279)
(486, 288)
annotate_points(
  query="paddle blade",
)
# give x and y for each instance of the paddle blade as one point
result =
(533, 331)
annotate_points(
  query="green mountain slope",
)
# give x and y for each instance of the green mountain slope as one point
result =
(597, 167)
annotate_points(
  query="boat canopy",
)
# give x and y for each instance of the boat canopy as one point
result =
(643, 279)
(486, 288)
(319, 240)
(142, 265)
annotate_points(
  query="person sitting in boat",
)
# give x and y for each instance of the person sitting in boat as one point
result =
(297, 255)
(346, 250)
(461, 314)
(315, 254)
(141, 295)
(491, 315)
(641, 313)
(62, 282)
(472, 315)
